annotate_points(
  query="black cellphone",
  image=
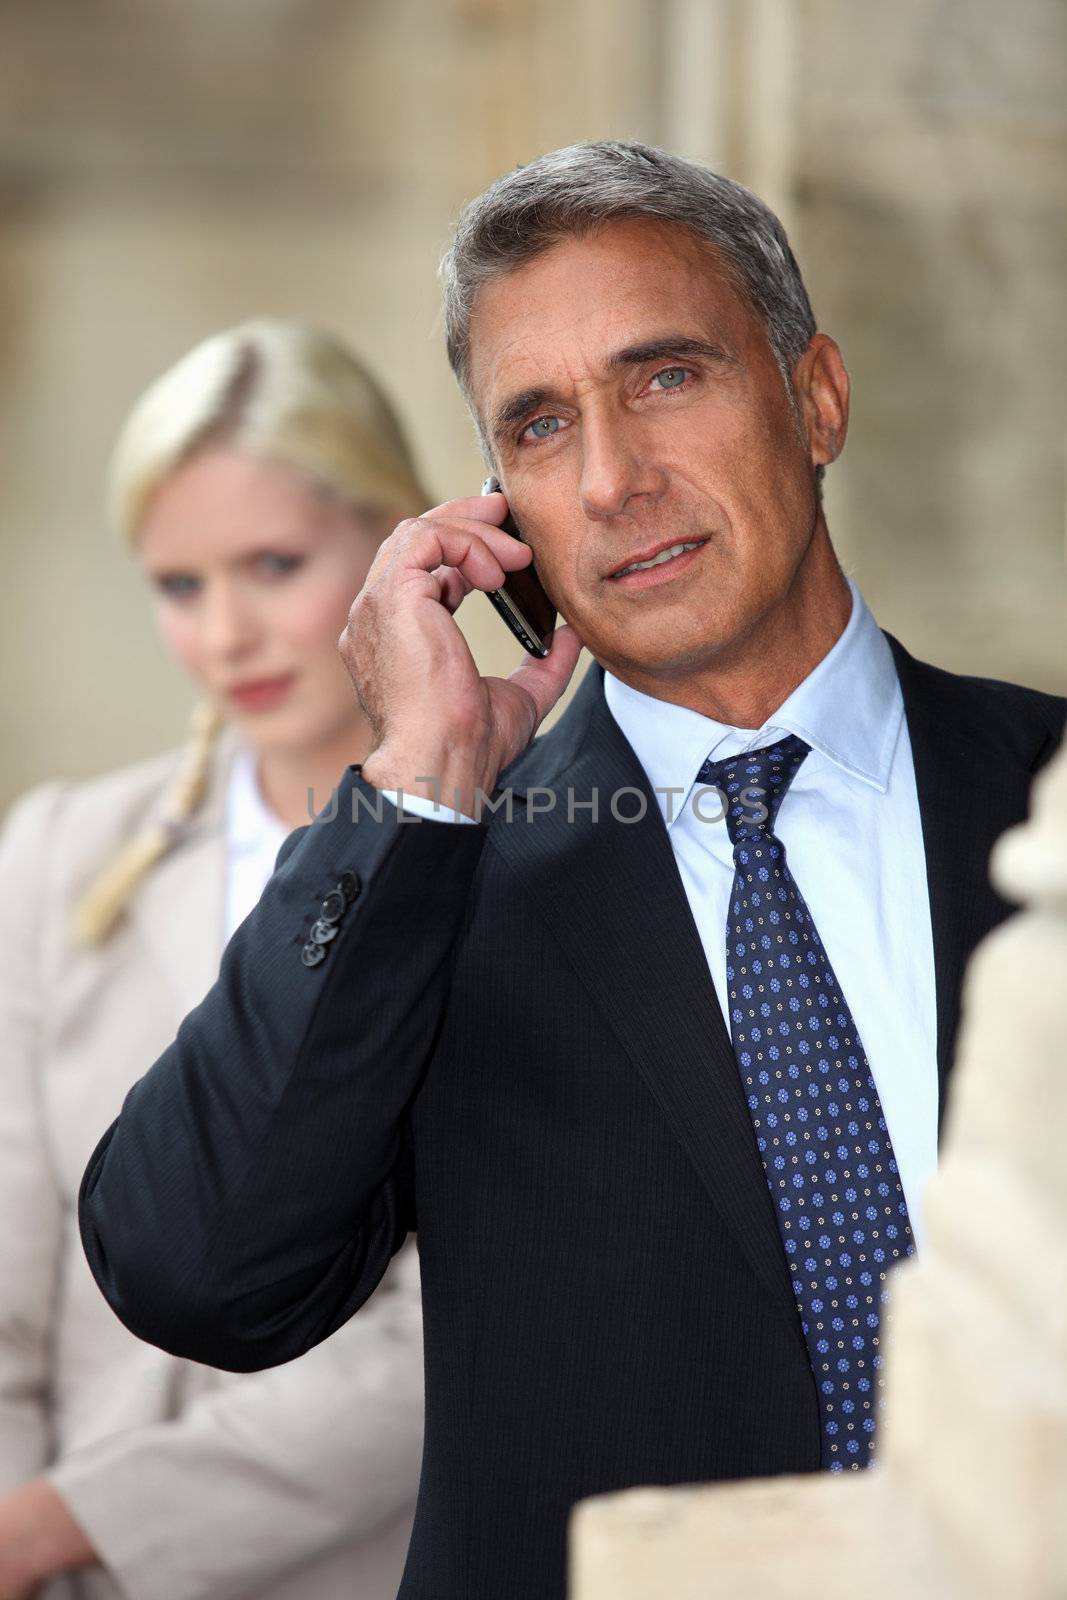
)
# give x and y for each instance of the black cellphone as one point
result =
(522, 602)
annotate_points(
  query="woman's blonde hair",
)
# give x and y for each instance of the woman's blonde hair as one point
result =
(292, 395)
(281, 390)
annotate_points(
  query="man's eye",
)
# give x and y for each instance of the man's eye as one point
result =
(542, 428)
(672, 377)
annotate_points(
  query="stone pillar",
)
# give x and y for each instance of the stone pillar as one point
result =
(970, 1498)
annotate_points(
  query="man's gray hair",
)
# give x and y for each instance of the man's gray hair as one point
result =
(574, 191)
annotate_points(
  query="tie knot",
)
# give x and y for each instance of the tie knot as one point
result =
(754, 785)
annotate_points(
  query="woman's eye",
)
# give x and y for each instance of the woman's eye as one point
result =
(672, 377)
(178, 585)
(274, 565)
(543, 427)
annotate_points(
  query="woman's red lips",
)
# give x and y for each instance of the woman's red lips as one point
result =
(260, 694)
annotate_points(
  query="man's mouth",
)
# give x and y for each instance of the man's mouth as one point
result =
(657, 558)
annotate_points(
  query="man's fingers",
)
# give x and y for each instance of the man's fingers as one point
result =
(452, 585)
(489, 508)
(481, 553)
(455, 530)
(436, 560)
(545, 678)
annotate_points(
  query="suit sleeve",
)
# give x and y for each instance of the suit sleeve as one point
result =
(258, 1179)
(268, 1472)
(32, 1226)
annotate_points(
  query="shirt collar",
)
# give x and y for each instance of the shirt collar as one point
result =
(250, 823)
(849, 708)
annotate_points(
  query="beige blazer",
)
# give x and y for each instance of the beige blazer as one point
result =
(292, 1484)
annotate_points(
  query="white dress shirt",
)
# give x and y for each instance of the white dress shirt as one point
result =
(254, 835)
(853, 835)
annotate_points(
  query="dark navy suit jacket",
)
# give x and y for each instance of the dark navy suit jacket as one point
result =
(513, 1045)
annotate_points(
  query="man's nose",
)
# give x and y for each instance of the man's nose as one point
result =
(615, 469)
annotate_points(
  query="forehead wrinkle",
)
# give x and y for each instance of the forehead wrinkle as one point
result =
(532, 398)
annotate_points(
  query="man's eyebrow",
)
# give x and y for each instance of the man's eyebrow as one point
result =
(671, 347)
(516, 407)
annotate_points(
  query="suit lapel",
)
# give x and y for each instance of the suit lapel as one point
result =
(178, 910)
(613, 897)
(971, 789)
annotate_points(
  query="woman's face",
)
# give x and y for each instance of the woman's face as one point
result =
(254, 574)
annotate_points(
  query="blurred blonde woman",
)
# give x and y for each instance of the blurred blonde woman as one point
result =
(253, 482)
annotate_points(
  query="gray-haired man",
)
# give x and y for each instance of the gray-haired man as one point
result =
(659, 1086)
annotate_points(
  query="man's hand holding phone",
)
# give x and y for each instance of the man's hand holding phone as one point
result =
(440, 728)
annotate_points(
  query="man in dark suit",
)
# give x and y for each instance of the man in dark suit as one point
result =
(657, 1080)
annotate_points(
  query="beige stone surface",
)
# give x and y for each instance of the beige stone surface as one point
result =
(700, 1544)
(970, 1495)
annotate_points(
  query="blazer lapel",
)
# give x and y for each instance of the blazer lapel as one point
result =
(971, 789)
(178, 910)
(612, 894)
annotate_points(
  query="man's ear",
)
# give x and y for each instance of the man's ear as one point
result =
(822, 387)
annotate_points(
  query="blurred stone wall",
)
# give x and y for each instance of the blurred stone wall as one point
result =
(170, 166)
(931, 193)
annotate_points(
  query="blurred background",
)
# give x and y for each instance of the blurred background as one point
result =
(169, 167)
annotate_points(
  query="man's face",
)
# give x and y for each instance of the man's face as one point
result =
(634, 405)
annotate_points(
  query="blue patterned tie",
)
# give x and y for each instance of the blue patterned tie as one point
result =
(819, 1125)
